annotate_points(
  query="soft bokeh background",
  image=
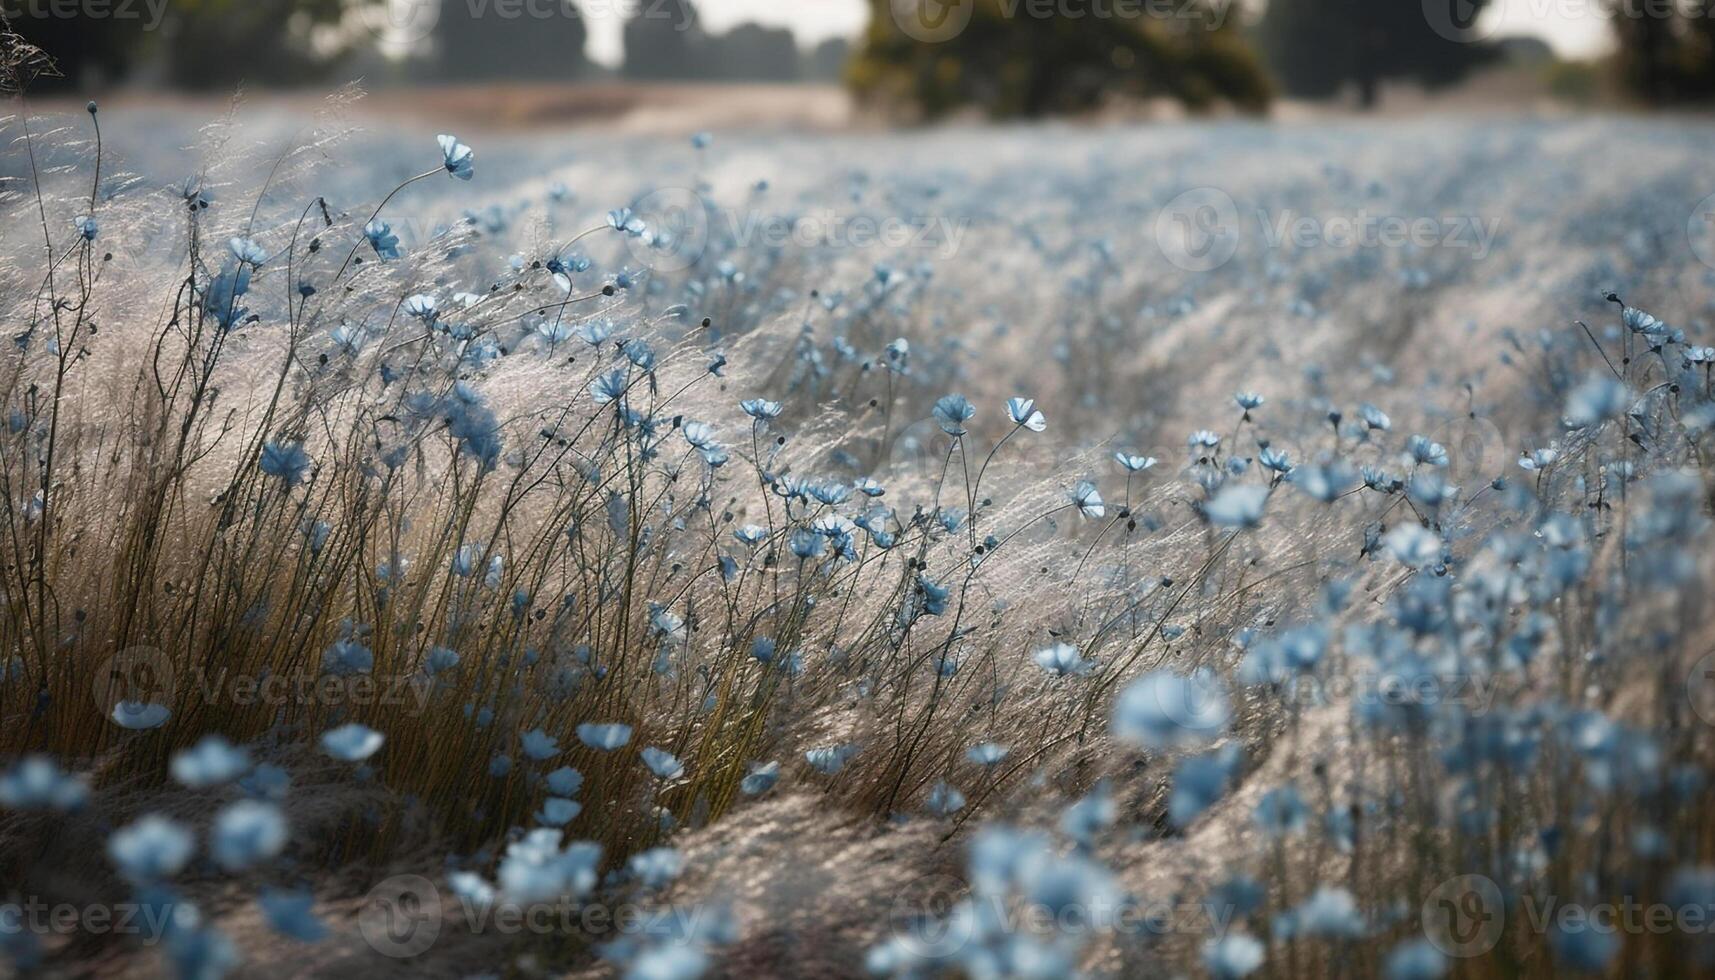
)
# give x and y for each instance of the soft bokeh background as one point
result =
(835, 60)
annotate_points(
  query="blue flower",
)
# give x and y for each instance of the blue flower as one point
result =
(760, 779)
(986, 753)
(1281, 811)
(351, 742)
(248, 252)
(1232, 956)
(246, 833)
(210, 762)
(87, 227)
(829, 760)
(1088, 500)
(557, 811)
(1134, 464)
(151, 849)
(1062, 660)
(291, 914)
(655, 867)
(761, 409)
(285, 460)
(382, 239)
(1237, 505)
(951, 412)
(539, 745)
(1248, 400)
(36, 783)
(565, 781)
(1163, 710)
(139, 715)
(1199, 782)
(347, 657)
(662, 763)
(626, 221)
(1415, 959)
(604, 737)
(458, 158)
(1023, 412)
(944, 800)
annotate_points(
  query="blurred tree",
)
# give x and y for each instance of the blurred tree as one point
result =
(520, 39)
(755, 52)
(1316, 47)
(1666, 53)
(664, 39)
(87, 51)
(826, 62)
(217, 44)
(1028, 65)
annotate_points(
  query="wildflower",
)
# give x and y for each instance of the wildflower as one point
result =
(291, 914)
(1199, 782)
(351, 742)
(87, 227)
(806, 544)
(37, 783)
(285, 460)
(944, 800)
(539, 745)
(1281, 811)
(472, 889)
(247, 833)
(1326, 482)
(1091, 815)
(951, 412)
(1233, 955)
(1088, 500)
(604, 737)
(458, 158)
(1163, 710)
(1023, 412)
(1238, 505)
(1596, 400)
(266, 782)
(421, 306)
(1413, 545)
(760, 779)
(751, 534)
(382, 239)
(1374, 418)
(440, 660)
(829, 760)
(1415, 959)
(347, 657)
(986, 753)
(1275, 460)
(210, 762)
(655, 867)
(247, 252)
(1329, 912)
(151, 849)
(536, 869)
(565, 781)
(1134, 464)
(1062, 660)
(557, 811)
(1426, 451)
(662, 763)
(1203, 440)
(761, 409)
(1248, 400)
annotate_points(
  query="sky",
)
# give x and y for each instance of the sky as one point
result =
(1575, 28)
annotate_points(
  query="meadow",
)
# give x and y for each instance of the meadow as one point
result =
(1213, 548)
